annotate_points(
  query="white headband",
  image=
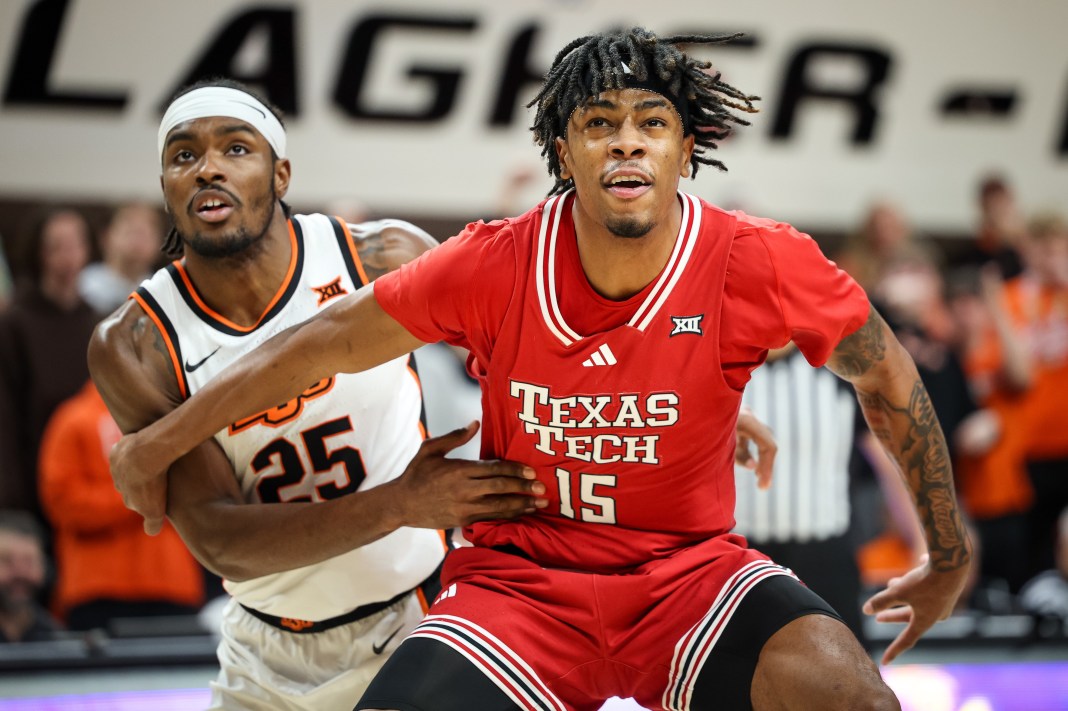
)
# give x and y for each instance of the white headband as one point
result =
(221, 101)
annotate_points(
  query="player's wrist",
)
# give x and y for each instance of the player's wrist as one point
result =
(387, 501)
(950, 559)
(159, 446)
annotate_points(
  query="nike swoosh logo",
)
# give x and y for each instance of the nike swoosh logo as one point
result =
(379, 648)
(254, 108)
(191, 368)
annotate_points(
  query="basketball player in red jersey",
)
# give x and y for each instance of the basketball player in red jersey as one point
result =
(613, 328)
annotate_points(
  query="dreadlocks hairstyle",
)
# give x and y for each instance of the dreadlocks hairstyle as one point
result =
(637, 58)
(173, 247)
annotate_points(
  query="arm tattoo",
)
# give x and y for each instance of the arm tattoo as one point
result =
(859, 351)
(142, 327)
(160, 345)
(372, 253)
(915, 439)
(138, 329)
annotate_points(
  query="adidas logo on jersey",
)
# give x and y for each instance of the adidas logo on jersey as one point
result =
(601, 356)
(446, 594)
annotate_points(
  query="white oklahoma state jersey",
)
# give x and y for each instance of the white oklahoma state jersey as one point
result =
(343, 434)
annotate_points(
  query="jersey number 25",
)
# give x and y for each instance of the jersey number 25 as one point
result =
(284, 454)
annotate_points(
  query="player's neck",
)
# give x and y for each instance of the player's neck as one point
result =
(241, 287)
(617, 267)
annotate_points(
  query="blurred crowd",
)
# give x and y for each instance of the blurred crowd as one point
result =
(72, 557)
(985, 319)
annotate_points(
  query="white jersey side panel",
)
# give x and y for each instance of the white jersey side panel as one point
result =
(350, 432)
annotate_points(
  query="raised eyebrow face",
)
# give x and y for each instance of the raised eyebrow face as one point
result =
(188, 135)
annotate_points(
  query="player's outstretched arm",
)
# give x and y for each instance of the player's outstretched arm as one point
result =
(354, 335)
(240, 540)
(899, 412)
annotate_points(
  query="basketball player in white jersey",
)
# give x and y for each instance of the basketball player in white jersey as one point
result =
(323, 514)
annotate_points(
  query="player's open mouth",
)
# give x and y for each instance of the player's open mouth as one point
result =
(628, 185)
(212, 206)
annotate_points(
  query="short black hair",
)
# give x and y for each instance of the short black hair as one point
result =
(173, 246)
(22, 523)
(616, 60)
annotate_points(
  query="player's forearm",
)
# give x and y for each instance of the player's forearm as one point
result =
(899, 413)
(350, 337)
(899, 501)
(240, 541)
(273, 374)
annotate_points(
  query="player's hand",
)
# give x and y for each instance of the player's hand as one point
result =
(919, 598)
(436, 492)
(139, 479)
(751, 431)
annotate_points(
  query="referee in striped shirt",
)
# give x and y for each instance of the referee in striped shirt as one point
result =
(802, 520)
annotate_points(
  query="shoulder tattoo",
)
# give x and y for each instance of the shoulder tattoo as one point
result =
(372, 252)
(144, 329)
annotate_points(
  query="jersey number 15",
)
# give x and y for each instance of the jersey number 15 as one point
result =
(592, 506)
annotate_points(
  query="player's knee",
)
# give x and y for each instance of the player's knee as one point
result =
(872, 696)
(827, 693)
(817, 663)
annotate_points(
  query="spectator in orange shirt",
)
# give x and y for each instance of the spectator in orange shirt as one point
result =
(993, 480)
(1037, 302)
(107, 566)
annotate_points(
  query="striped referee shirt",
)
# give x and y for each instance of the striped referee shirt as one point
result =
(812, 413)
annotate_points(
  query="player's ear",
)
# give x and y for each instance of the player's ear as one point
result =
(687, 154)
(282, 170)
(563, 156)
